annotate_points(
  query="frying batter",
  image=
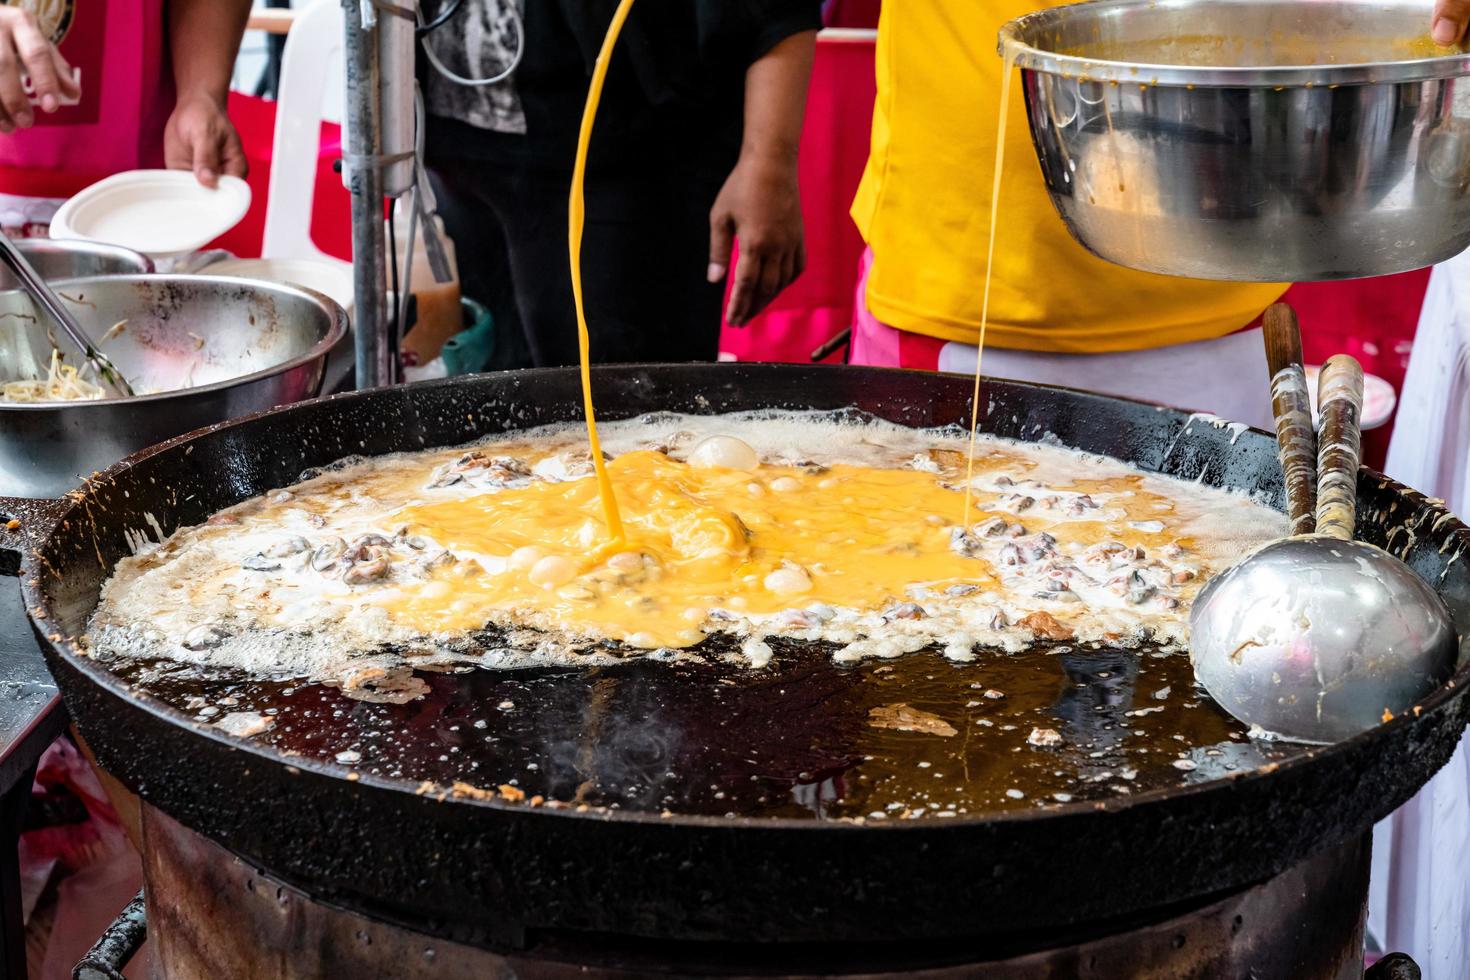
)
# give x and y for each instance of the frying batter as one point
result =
(793, 524)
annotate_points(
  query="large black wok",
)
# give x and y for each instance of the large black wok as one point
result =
(497, 873)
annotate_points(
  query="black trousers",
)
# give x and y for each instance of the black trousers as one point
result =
(645, 251)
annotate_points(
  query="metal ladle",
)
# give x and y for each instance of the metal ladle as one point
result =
(1317, 637)
(43, 295)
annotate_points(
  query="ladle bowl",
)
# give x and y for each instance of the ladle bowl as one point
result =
(1317, 639)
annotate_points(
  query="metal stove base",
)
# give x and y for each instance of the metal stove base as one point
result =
(212, 915)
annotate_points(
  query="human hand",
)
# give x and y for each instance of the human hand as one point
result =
(25, 51)
(1448, 24)
(201, 138)
(760, 205)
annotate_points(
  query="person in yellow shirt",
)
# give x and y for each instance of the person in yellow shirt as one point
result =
(1058, 314)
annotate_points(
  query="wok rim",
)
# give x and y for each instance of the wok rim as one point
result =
(337, 329)
(75, 503)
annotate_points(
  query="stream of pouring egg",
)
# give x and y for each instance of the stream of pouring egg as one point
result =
(575, 219)
(1009, 54)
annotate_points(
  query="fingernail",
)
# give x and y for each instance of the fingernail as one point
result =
(48, 103)
(716, 272)
(206, 176)
(1445, 31)
(24, 119)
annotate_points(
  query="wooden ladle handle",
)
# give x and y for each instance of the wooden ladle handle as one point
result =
(1339, 445)
(1296, 439)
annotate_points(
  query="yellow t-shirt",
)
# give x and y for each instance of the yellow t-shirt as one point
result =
(924, 206)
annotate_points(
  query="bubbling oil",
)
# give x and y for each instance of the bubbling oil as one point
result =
(917, 738)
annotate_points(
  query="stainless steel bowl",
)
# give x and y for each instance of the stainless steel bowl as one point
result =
(64, 259)
(1251, 140)
(200, 349)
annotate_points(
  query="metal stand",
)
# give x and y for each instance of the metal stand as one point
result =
(384, 159)
(365, 183)
(212, 914)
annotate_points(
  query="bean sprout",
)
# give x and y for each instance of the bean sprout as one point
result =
(61, 383)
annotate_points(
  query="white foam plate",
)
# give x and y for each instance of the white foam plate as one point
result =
(1379, 398)
(161, 213)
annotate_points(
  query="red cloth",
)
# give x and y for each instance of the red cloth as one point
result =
(834, 149)
(851, 13)
(331, 206)
(1372, 319)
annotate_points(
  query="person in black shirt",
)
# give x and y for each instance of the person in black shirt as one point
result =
(695, 145)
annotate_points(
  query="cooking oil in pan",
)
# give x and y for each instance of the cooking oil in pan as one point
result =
(918, 737)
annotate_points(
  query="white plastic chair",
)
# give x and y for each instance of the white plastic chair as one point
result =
(311, 68)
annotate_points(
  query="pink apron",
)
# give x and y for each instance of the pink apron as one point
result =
(118, 47)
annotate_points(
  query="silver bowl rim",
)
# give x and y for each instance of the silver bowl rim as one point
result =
(1013, 33)
(86, 247)
(336, 330)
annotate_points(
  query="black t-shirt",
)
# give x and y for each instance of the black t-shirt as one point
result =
(676, 82)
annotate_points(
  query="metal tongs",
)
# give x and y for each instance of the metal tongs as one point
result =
(43, 295)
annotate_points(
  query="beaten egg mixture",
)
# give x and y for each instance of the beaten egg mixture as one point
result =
(798, 524)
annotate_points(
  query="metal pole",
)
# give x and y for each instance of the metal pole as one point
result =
(365, 184)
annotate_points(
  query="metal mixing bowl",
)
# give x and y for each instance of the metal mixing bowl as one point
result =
(198, 349)
(1252, 140)
(70, 259)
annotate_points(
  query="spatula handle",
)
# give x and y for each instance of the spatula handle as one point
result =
(1296, 439)
(1339, 445)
